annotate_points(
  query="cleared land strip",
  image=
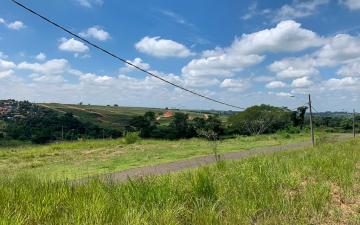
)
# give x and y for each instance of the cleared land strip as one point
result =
(195, 162)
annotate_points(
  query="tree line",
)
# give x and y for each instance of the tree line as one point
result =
(41, 125)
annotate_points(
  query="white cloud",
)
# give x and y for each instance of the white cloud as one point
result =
(283, 94)
(2, 21)
(298, 9)
(303, 82)
(235, 85)
(72, 45)
(137, 62)
(294, 67)
(5, 65)
(224, 65)
(158, 47)
(342, 48)
(352, 4)
(51, 67)
(6, 68)
(90, 3)
(41, 56)
(350, 70)
(6, 73)
(346, 83)
(16, 25)
(276, 84)
(287, 36)
(96, 32)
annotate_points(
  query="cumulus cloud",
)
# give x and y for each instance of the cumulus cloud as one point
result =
(224, 65)
(6, 68)
(287, 36)
(5, 65)
(137, 62)
(351, 4)
(96, 33)
(298, 9)
(346, 83)
(54, 66)
(342, 48)
(276, 84)
(6, 73)
(303, 82)
(248, 50)
(16, 25)
(294, 67)
(350, 70)
(72, 45)
(158, 47)
(41, 56)
(235, 85)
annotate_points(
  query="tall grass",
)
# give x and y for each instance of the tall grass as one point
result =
(70, 160)
(284, 188)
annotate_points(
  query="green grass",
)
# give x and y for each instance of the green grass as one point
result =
(309, 186)
(69, 160)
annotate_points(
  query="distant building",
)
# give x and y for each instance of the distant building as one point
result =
(168, 114)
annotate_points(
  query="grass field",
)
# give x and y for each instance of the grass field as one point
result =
(311, 186)
(69, 160)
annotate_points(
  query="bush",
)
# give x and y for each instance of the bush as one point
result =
(293, 130)
(131, 137)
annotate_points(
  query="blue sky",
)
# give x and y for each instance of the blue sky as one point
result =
(241, 52)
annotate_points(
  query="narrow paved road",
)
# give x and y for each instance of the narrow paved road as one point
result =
(199, 161)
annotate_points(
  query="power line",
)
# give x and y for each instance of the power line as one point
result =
(314, 109)
(121, 59)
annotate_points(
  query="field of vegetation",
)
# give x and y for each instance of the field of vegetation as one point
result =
(109, 116)
(310, 186)
(69, 160)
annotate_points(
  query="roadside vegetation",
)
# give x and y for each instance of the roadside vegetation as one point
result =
(310, 186)
(69, 160)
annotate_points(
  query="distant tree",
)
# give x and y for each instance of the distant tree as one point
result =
(179, 125)
(298, 117)
(80, 103)
(116, 105)
(145, 124)
(260, 119)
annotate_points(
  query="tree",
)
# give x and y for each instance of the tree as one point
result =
(179, 125)
(298, 117)
(260, 119)
(145, 124)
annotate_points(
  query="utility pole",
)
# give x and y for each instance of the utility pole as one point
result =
(354, 124)
(311, 123)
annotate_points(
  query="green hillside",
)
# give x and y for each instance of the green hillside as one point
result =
(111, 116)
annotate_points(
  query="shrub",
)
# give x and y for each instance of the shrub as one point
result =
(131, 137)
